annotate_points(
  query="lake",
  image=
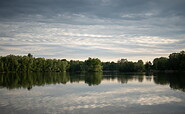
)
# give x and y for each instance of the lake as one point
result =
(92, 93)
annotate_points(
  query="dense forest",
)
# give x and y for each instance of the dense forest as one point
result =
(12, 63)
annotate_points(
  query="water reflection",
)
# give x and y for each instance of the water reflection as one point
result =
(125, 77)
(93, 78)
(28, 80)
(175, 81)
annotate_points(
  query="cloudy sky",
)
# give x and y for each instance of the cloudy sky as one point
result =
(78, 29)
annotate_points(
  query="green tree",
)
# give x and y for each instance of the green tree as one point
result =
(160, 63)
(63, 65)
(110, 66)
(38, 64)
(93, 65)
(48, 65)
(148, 66)
(122, 61)
(76, 66)
(139, 66)
(177, 61)
(1, 66)
(127, 67)
(30, 55)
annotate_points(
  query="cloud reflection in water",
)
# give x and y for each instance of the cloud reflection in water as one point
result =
(53, 98)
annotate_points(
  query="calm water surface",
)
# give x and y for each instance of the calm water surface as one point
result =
(94, 93)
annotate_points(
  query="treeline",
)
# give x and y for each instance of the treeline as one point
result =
(176, 61)
(124, 65)
(12, 63)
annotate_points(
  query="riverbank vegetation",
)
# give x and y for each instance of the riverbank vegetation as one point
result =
(28, 63)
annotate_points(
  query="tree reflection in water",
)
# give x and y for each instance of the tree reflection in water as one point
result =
(28, 80)
(175, 81)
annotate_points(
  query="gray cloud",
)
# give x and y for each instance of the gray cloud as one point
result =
(98, 28)
(130, 9)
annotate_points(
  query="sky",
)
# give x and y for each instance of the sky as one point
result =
(104, 29)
